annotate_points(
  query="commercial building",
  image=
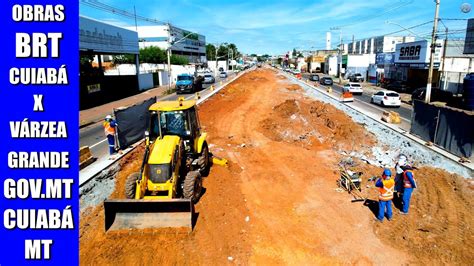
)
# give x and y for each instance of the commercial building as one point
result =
(455, 66)
(186, 43)
(96, 41)
(380, 44)
(412, 60)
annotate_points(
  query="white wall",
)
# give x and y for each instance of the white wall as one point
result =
(129, 69)
(363, 60)
(212, 65)
(145, 81)
(332, 65)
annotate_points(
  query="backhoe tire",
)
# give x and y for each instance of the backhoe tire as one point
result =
(131, 185)
(204, 160)
(192, 186)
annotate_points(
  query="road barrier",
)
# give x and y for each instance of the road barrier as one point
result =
(85, 157)
(391, 117)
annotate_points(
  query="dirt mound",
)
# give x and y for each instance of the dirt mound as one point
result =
(293, 87)
(439, 227)
(313, 124)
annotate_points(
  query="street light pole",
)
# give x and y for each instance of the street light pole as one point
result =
(433, 48)
(340, 51)
(168, 54)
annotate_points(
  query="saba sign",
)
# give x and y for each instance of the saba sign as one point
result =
(416, 53)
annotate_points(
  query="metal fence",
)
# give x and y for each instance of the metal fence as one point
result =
(450, 128)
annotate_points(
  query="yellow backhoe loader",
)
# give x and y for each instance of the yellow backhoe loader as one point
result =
(176, 156)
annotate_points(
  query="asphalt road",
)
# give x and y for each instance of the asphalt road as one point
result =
(93, 135)
(405, 110)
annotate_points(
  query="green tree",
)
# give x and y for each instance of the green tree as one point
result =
(210, 52)
(153, 55)
(123, 59)
(294, 52)
(179, 60)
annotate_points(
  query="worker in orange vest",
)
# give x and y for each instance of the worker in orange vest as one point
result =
(409, 184)
(386, 186)
(110, 126)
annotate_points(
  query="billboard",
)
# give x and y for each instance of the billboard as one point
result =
(469, 43)
(384, 58)
(105, 38)
(416, 52)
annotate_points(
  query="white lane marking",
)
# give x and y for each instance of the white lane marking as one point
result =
(90, 147)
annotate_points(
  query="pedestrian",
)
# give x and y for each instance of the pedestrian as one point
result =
(386, 186)
(409, 184)
(110, 126)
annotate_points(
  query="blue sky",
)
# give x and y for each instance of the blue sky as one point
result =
(274, 27)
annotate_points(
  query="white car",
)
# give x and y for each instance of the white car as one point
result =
(354, 88)
(386, 98)
(209, 79)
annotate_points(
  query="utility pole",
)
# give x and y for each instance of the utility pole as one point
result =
(353, 44)
(443, 73)
(168, 54)
(215, 69)
(433, 48)
(340, 55)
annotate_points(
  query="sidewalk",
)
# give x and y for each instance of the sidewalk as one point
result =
(96, 114)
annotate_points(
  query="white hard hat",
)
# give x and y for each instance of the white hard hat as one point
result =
(402, 160)
(108, 117)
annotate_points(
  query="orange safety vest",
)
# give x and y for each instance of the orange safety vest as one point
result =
(108, 130)
(406, 181)
(386, 192)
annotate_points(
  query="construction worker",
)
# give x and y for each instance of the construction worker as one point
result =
(110, 126)
(402, 161)
(386, 186)
(409, 184)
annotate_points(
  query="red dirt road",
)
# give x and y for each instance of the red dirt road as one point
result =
(277, 203)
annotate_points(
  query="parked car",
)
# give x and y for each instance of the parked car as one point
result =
(396, 85)
(325, 81)
(314, 77)
(223, 75)
(386, 98)
(209, 79)
(357, 77)
(354, 88)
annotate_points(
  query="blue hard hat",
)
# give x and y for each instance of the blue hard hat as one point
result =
(387, 172)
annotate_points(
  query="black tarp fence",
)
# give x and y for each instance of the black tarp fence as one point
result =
(450, 128)
(132, 122)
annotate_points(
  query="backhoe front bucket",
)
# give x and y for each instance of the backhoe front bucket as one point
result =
(142, 214)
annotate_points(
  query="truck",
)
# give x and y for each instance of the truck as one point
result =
(188, 83)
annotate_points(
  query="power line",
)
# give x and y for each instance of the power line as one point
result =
(118, 11)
